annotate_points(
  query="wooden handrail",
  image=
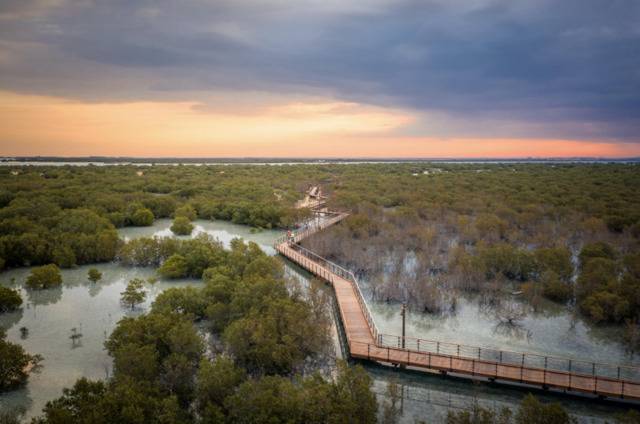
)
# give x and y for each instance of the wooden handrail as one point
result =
(523, 374)
(620, 380)
(543, 362)
(334, 268)
(351, 278)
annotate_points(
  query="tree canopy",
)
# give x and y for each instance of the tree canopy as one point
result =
(134, 294)
(182, 226)
(162, 372)
(10, 299)
(44, 277)
(15, 363)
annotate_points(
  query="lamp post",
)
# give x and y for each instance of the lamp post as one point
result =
(403, 312)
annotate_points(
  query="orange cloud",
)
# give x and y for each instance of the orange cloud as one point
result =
(430, 147)
(32, 125)
(37, 125)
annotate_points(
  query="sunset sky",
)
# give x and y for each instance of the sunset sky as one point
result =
(320, 78)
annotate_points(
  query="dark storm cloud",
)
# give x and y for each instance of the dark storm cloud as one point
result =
(571, 65)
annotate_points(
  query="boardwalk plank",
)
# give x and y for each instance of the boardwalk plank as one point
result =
(363, 344)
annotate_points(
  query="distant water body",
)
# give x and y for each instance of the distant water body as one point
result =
(278, 162)
(94, 309)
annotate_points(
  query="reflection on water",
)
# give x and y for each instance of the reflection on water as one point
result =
(428, 397)
(552, 332)
(46, 321)
(222, 230)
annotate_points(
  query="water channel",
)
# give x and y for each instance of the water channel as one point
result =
(94, 310)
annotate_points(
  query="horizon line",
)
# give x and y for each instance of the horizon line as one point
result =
(309, 158)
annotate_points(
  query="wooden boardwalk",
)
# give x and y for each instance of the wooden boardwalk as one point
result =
(366, 343)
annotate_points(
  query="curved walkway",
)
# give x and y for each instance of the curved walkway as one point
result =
(365, 342)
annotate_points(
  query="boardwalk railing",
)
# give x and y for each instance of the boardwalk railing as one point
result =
(520, 359)
(547, 371)
(347, 275)
(571, 381)
(333, 268)
(313, 227)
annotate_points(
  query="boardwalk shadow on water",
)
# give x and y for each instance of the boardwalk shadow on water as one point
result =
(429, 397)
(365, 341)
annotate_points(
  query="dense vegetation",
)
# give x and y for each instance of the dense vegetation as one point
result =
(44, 277)
(531, 411)
(421, 234)
(10, 299)
(266, 336)
(94, 275)
(182, 226)
(15, 363)
(608, 286)
(68, 215)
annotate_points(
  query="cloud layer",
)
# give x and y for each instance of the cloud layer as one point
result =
(489, 68)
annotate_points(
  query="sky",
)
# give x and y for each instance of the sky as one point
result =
(320, 78)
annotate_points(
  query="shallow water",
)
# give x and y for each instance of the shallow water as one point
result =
(94, 310)
(49, 315)
(429, 397)
(549, 333)
(222, 230)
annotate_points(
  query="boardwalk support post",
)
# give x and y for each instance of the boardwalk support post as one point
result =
(569, 381)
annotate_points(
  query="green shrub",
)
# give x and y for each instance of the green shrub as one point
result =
(182, 226)
(186, 211)
(10, 299)
(142, 217)
(174, 267)
(554, 288)
(597, 250)
(14, 362)
(44, 277)
(94, 275)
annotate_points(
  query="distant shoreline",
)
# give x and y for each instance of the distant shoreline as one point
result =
(107, 160)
